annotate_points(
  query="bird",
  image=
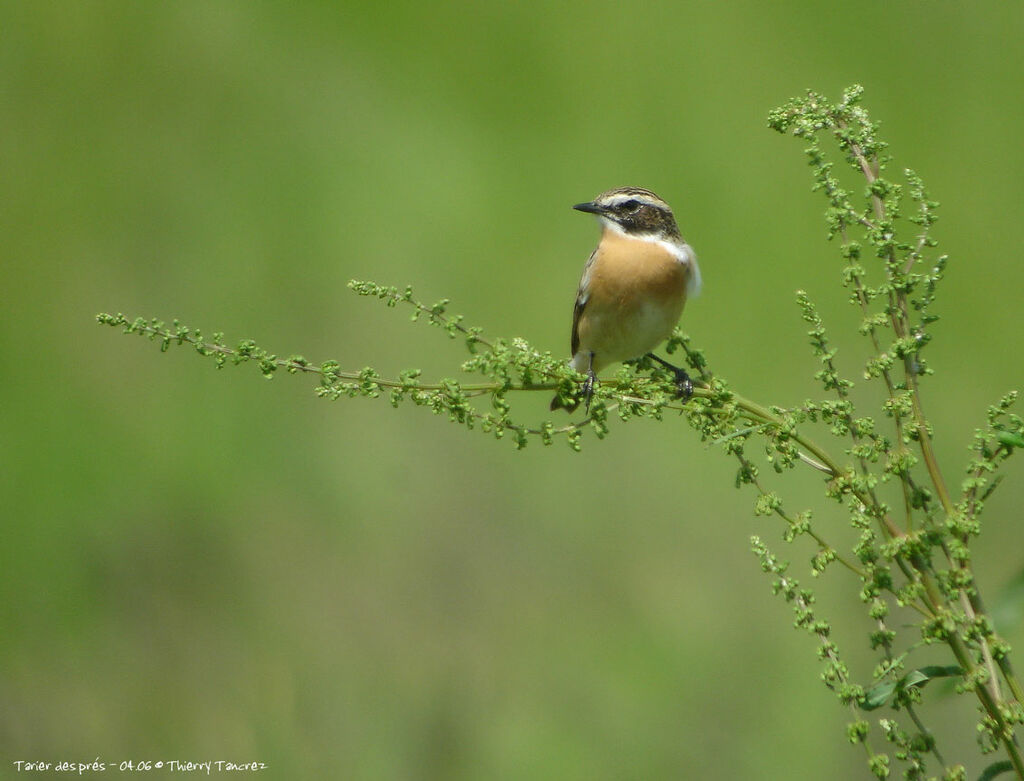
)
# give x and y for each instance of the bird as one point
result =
(633, 288)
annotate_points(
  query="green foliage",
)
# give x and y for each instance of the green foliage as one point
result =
(911, 563)
(915, 557)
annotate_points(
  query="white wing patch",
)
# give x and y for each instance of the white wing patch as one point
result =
(695, 283)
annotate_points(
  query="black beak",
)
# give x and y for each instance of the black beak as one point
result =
(589, 207)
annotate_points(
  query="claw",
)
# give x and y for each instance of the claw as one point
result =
(684, 386)
(588, 388)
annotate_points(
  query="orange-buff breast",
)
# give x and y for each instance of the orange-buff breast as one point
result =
(636, 291)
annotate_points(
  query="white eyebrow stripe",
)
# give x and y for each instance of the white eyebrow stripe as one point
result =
(646, 200)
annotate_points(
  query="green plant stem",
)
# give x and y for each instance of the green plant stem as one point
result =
(899, 315)
(862, 301)
(822, 544)
(834, 661)
(963, 657)
(751, 410)
(911, 710)
(760, 413)
(976, 602)
(988, 694)
(736, 405)
(933, 747)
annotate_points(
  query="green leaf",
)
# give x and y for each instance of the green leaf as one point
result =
(996, 769)
(877, 695)
(1010, 438)
(922, 675)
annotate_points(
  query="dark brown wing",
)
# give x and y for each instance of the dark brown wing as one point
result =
(576, 312)
(582, 297)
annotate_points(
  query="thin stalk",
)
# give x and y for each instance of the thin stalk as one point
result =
(991, 705)
(899, 315)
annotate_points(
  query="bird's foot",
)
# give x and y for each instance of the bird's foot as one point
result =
(588, 389)
(684, 385)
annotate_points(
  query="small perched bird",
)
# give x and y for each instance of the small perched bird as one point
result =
(634, 285)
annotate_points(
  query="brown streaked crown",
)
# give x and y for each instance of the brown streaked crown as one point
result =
(635, 210)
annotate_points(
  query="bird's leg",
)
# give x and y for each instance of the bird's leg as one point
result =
(588, 384)
(684, 386)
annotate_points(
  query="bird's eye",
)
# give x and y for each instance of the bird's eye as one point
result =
(630, 205)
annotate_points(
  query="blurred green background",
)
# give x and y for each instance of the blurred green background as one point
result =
(203, 565)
